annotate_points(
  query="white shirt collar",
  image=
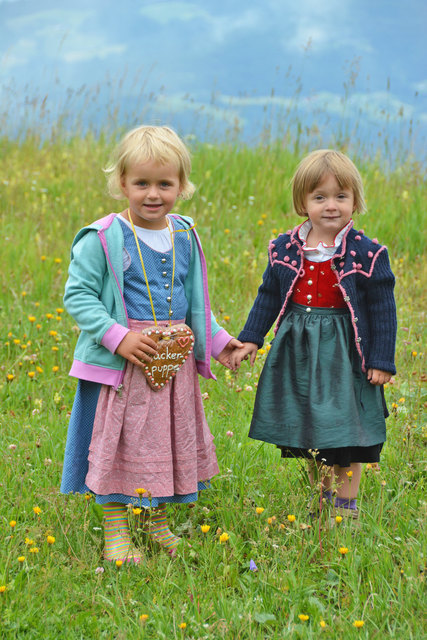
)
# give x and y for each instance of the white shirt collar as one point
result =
(306, 227)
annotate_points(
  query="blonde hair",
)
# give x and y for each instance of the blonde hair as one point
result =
(144, 144)
(312, 169)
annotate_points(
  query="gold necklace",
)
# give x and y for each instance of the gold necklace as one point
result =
(169, 298)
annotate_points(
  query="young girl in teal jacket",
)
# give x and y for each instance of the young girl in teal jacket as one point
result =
(143, 269)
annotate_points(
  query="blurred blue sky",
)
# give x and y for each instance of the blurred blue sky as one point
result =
(233, 64)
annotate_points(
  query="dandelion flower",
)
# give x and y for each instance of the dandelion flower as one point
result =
(226, 318)
(259, 510)
(37, 510)
(224, 537)
(59, 310)
(119, 563)
(31, 318)
(414, 354)
(343, 550)
(10, 377)
(21, 558)
(141, 491)
(358, 624)
(303, 617)
(338, 519)
(12, 523)
(31, 374)
(55, 369)
(53, 333)
(291, 517)
(205, 527)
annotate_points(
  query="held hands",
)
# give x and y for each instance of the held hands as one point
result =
(247, 350)
(226, 354)
(377, 377)
(136, 347)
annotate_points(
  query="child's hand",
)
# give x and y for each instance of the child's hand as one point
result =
(377, 377)
(225, 356)
(136, 347)
(249, 349)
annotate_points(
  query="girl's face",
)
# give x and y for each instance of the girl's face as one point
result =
(329, 207)
(152, 189)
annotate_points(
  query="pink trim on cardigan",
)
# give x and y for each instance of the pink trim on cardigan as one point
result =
(367, 274)
(95, 373)
(273, 260)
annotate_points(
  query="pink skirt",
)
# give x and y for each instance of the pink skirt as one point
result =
(157, 440)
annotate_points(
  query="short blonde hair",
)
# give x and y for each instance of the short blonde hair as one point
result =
(144, 144)
(315, 166)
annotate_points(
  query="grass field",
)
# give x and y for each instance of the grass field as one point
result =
(53, 582)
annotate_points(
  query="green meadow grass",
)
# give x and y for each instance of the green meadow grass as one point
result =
(47, 192)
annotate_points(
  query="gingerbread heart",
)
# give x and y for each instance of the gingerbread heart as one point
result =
(174, 345)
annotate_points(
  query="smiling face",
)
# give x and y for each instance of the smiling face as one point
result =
(329, 207)
(152, 189)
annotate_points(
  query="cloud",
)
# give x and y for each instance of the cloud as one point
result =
(219, 26)
(23, 50)
(421, 87)
(376, 106)
(178, 103)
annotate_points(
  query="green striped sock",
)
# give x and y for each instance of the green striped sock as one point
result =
(117, 535)
(158, 529)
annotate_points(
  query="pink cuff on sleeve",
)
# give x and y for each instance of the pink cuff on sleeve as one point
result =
(219, 341)
(113, 337)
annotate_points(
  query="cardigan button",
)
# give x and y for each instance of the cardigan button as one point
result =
(310, 282)
(356, 319)
(168, 299)
(311, 267)
(309, 297)
(346, 298)
(358, 339)
(308, 309)
(166, 286)
(164, 274)
(163, 260)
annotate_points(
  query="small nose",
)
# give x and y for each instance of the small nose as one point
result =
(153, 191)
(331, 204)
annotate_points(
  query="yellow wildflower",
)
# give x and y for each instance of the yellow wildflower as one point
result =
(224, 537)
(343, 550)
(259, 510)
(205, 527)
(12, 523)
(322, 624)
(136, 511)
(414, 354)
(291, 517)
(338, 519)
(183, 625)
(2, 588)
(10, 377)
(119, 563)
(349, 474)
(34, 550)
(59, 310)
(226, 230)
(31, 318)
(141, 491)
(29, 541)
(144, 617)
(37, 510)
(50, 539)
(55, 369)
(21, 559)
(358, 624)
(303, 617)
(53, 333)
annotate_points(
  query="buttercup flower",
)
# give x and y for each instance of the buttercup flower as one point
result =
(291, 517)
(50, 539)
(259, 510)
(358, 624)
(338, 519)
(303, 617)
(119, 563)
(136, 511)
(205, 527)
(223, 537)
(141, 491)
(21, 558)
(349, 474)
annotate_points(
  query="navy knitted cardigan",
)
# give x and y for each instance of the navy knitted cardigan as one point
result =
(364, 276)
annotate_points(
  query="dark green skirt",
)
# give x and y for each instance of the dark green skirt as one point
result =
(312, 393)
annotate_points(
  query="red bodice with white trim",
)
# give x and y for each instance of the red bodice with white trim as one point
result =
(318, 286)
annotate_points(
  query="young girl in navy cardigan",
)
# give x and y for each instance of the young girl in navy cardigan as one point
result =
(320, 394)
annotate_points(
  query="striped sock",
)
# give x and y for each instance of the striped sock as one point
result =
(159, 531)
(117, 535)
